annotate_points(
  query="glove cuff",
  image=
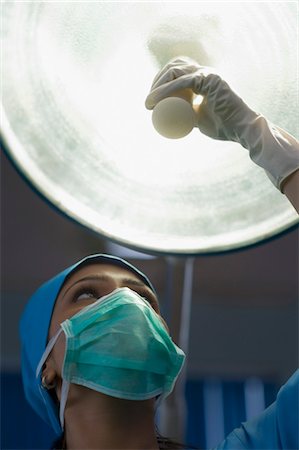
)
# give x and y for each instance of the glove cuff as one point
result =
(270, 147)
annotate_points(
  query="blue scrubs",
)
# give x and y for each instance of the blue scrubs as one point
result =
(276, 428)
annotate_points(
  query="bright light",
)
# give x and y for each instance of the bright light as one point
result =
(74, 85)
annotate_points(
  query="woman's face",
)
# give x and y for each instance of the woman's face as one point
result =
(82, 288)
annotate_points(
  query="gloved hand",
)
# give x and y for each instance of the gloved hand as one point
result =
(223, 115)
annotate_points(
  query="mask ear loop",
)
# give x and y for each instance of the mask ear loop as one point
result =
(65, 384)
(47, 352)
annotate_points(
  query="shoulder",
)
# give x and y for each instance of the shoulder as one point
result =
(275, 428)
(287, 411)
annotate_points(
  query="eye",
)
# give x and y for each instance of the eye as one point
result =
(85, 294)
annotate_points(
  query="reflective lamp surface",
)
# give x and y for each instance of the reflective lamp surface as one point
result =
(75, 76)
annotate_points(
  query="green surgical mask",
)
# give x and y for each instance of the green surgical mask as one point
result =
(118, 346)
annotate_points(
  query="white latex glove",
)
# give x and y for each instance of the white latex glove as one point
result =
(223, 115)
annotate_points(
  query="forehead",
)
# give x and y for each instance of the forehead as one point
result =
(110, 271)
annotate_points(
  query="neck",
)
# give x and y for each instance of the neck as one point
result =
(97, 421)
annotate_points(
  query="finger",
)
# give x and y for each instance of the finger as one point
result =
(175, 68)
(206, 81)
(173, 73)
(173, 63)
(170, 88)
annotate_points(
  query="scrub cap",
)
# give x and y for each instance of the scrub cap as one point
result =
(34, 326)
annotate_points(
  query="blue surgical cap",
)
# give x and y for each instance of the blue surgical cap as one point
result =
(34, 327)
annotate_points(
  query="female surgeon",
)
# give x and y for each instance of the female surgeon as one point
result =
(97, 357)
(109, 360)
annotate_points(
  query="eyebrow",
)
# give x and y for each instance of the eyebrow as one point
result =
(127, 280)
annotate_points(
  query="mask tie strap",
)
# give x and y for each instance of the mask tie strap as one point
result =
(47, 351)
(64, 394)
(158, 401)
